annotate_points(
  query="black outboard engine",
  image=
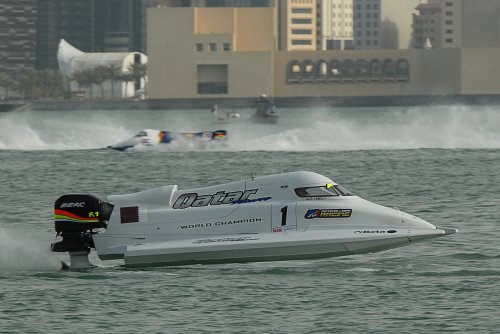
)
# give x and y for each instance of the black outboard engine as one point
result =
(75, 218)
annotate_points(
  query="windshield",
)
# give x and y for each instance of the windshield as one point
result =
(343, 191)
(316, 191)
(323, 191)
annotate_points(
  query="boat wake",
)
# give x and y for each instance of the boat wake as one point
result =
(22, 254)
(341, 129)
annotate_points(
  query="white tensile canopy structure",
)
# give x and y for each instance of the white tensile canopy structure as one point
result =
(71, 60)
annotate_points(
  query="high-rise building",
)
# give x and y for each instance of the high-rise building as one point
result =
(214, 3)
(119, 25)
(17, 34)
(335, 24)
(63, 19)
(89, 25)
(427, 25)
(297, 25)
(367, 24)
(457, 24)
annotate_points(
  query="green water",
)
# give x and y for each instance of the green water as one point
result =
(439, 163)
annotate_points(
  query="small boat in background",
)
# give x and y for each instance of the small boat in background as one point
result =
(266, 111)
(150, 138)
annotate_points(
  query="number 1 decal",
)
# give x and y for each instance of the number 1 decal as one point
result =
(283, 215)
(283, 218)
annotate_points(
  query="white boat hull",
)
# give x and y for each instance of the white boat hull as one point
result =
(275, 247)
(299, 215)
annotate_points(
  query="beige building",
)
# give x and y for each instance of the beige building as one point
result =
(298, 25)
(222, 53)
(201, 52)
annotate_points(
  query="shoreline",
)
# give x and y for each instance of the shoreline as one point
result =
(224, 103)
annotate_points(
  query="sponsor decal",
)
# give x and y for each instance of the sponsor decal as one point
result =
(222, 223)
(73, 205)
(372, 231)
(328, 213)
(62, 215)
(194, 200)
(236, 239)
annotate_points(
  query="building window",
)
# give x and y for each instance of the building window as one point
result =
(213, 47)
(449, 40)
(226, 47)
(301, 21)
(449, 31)
(301, 31)
(301, 42)
(212, 79)
(449, 22)
(302, 10)
(449, 13)
(449, 4)
(199, 47)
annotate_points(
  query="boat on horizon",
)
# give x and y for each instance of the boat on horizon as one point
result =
(265, 113)
(287, 216)
(150, 138)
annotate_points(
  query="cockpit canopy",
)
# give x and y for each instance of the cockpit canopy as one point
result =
(327, 190)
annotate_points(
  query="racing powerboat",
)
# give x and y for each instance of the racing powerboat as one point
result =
(148, 138)
(296, 215)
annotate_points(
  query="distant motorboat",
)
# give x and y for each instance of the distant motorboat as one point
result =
(264, 114)
(230, 117)
(151, 138)
(266, 111)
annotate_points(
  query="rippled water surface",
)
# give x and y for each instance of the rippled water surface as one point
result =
(439, 163)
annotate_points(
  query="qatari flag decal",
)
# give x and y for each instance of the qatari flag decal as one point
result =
(129, 214)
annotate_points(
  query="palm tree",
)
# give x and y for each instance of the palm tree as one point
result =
(127, 77)
(100, 74)
(48, 84)
(139, 71)
(86, 79)
(55, 84)
(113, 73)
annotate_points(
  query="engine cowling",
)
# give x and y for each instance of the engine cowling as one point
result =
(75, 217)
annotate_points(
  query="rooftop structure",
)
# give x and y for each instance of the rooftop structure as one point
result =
(73, 62)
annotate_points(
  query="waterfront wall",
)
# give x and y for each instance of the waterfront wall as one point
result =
(282, 102)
